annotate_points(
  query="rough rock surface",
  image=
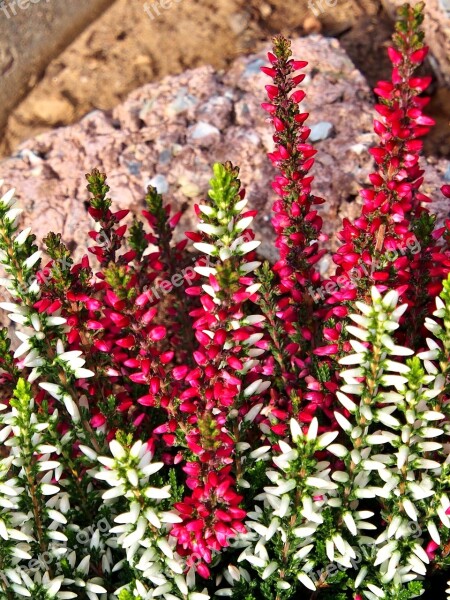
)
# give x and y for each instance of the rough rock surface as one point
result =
(31, 35)
(169, 133)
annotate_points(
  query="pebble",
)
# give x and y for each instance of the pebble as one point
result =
(358, 148)
(182, 102)
(447, 174)
(445, 4)
(188, 188)
(321, 131)
(254, 67)
(160, 183)
(265, 9)
(238, 22)
(203, 131)
(32, 158)
(312, 25)
(51, 111)
(134, 167)
(164, 157)
(216, 111)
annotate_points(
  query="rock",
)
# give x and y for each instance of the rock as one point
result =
(321, 131)
(254, 67)
(53, 111)
(437, 33)
(203, 133)
(238, 22)
(217, 117)
(312, 25)
(160, 183)
(216, 111)
(32, 35)
(182, 102)
(265, 10)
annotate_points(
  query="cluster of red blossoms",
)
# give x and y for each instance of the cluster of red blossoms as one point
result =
(392, 244)
(197, 350)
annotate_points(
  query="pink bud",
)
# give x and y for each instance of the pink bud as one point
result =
(270, 108)
(298, 96)
(180, 372)
(445, 189)
(272, 91)
(283, 152)
(268, 71)
(395, 56)
(419, 55)
(299, 64)
(278, 124)
(148, 400)
(158, 333)
(98, 420)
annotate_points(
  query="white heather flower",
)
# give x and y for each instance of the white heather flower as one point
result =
(244, 223)
(296, 430)
(22, 237)
(361, 334)
(82, 373)
(53, 389)
(207, 210)
(307, 581)
(55, 321)
(8, 198)
(32, 260)
(205, 271)
(252, 289)
(225, 253)
(211, 229)
(247, 247)
(312, 430)
(253, 388)
(253, 413)
(12, 215)
(205, 248)
(434, 533)
(353, 359)
(343, 422)
(250, 266)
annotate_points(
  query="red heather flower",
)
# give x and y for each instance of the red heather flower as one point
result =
(392, 243)
(297, 225)
(115, 317)
(221, 390)
(211, 515)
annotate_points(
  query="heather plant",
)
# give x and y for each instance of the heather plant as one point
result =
(179, 420)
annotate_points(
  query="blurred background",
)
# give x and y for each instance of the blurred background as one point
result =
(60, 59)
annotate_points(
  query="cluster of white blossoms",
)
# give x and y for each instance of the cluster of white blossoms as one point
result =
(35, 498)
(34, 351)
(293, 511)
(225, 226)
(392, 448)
(227, 242)
(34, 502)
(142, 528)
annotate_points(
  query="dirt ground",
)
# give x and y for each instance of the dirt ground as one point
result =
(126, 48)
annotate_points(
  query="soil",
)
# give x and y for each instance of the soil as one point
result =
(125, 48)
